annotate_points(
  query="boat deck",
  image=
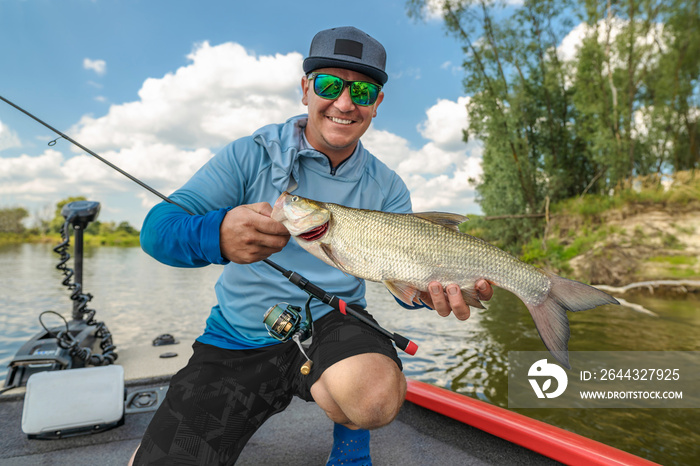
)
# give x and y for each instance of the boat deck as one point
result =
(301, 435)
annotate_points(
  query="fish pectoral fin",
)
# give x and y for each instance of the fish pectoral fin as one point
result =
(404, 292)
(445, 219)
(328, 251)
(471, 298)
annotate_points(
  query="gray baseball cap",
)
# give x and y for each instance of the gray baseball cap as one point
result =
(347, 47)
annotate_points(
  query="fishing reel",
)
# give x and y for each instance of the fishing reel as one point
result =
(284, 322)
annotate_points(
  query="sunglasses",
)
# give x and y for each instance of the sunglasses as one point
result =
(330, 87)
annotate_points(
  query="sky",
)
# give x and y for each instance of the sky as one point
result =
(157, 87)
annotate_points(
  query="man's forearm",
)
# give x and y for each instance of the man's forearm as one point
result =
(179, 239)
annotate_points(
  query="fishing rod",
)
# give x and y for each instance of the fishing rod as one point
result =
(103, 160)
(302, 283)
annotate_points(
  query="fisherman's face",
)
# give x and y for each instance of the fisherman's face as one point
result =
(335, 126)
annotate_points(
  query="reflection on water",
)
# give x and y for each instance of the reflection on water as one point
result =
(472, 358)
(137, 297)
(140, 299)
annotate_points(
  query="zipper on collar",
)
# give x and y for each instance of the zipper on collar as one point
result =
(335, 169)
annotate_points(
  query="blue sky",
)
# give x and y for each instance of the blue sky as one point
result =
(158, 86)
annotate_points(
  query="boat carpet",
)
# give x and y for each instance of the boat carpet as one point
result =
(301, 435)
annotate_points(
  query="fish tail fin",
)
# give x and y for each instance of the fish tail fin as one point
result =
(550, 315)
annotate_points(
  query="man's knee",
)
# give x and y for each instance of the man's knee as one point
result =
(379, 404)
(366, 390)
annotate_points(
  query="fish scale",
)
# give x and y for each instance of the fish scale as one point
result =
(381, 246)
(408, 251)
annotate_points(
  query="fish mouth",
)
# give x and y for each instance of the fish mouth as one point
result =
(315, 233)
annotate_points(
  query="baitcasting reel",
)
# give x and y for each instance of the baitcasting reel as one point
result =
(283, 321)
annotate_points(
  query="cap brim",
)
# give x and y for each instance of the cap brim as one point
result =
(315, 63)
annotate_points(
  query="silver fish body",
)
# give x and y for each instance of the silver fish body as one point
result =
(408, 251)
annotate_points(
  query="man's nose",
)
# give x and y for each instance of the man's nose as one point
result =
(344, 103)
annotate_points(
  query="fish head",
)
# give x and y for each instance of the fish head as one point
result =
(304, 218)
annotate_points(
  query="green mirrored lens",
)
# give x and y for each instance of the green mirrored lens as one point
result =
(327, 86)
(361, 92)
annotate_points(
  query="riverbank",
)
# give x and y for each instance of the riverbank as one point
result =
(647, 232)
(638, 243)
(122, 239)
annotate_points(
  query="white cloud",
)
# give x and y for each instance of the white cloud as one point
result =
(445, 123)
(223, 93)
(163, 137)
(98, 66)
(607, 32)
(438, 173)
(433, 9)
(25, 177)
(8, 138)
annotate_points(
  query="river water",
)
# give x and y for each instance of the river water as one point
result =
(139, 299)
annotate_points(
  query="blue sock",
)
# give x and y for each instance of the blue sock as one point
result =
(349, 447)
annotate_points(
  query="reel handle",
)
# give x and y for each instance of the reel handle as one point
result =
(306, 368)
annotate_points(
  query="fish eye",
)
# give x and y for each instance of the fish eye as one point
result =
(295, 198)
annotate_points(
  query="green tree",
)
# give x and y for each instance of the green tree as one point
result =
(626, 105)
(11, 220)
(520, 107)
(636, 87)
(126, 228)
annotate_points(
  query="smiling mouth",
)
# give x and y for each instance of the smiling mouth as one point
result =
(315, 233)
(340, 121)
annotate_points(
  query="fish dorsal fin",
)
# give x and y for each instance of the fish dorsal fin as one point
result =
(404, 292)
(445, 219)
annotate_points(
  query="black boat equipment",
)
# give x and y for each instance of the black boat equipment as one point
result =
(314, 291)
(70, 346)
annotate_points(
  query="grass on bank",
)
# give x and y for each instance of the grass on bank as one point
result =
(118, 238)
(578, 226)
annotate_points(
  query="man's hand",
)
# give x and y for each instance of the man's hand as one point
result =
(248, 234)
(450, 300)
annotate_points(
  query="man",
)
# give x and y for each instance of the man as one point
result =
(239, 375)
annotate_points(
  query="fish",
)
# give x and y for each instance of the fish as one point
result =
(406, 252)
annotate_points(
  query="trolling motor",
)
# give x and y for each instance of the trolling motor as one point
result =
(71, 345)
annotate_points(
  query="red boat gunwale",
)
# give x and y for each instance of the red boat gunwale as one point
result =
(548, 440)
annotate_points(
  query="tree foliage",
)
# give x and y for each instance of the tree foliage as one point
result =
(12, 229)
(11, 220)
(557, 126)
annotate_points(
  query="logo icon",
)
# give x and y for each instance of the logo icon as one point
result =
(543, 369)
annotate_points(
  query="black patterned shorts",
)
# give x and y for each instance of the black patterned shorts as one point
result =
(221, 397)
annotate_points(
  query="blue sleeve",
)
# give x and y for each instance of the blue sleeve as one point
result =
(176, 238)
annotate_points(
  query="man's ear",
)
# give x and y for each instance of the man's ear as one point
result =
(380, 97)
(304, 90)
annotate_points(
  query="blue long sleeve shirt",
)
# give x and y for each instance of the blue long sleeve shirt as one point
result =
(253, 169)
